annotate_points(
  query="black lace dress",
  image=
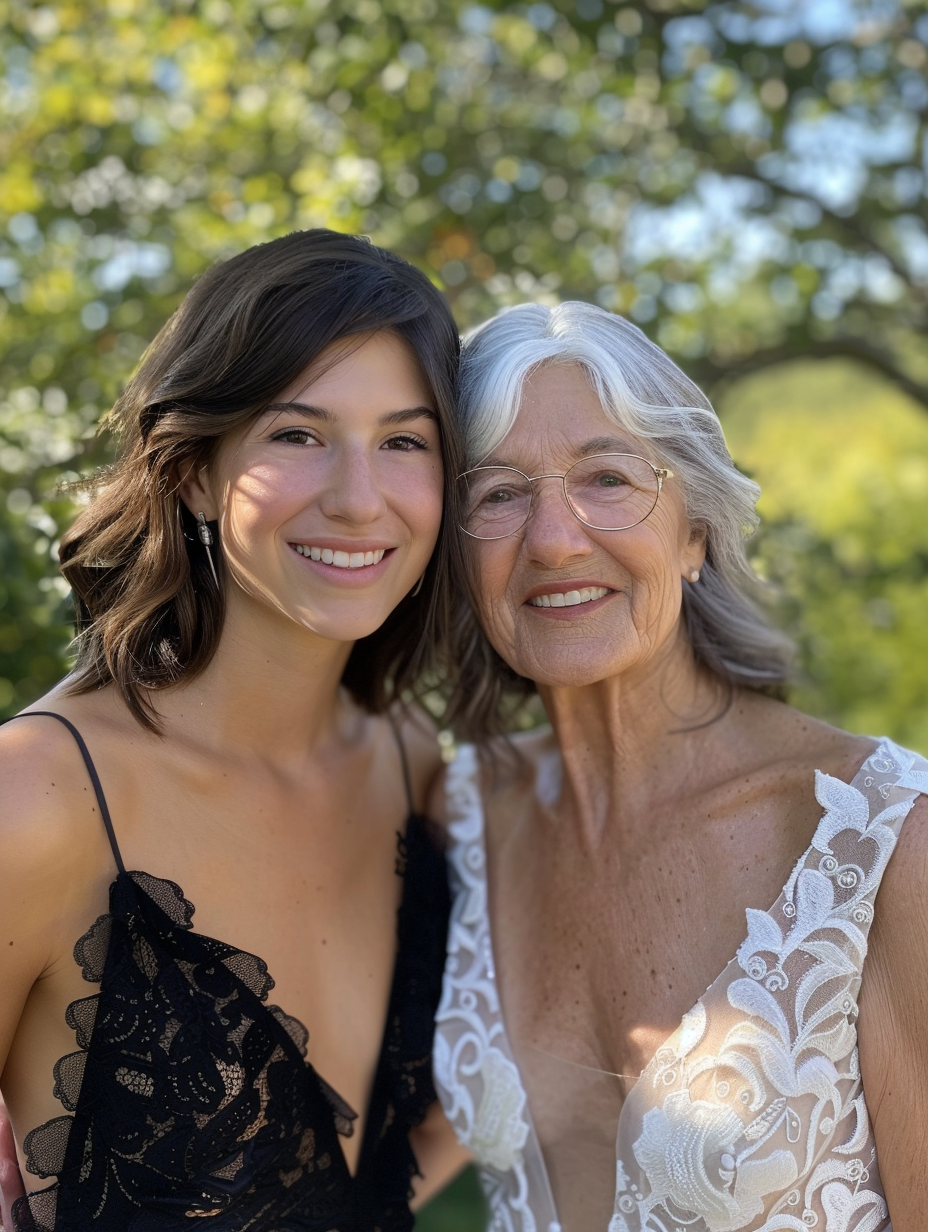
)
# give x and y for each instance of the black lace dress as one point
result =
(189, 1097)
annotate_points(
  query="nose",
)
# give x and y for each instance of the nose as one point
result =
(553, 535)
(352, 491)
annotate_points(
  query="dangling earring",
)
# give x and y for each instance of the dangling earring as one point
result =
(418, 586)
(206, 538)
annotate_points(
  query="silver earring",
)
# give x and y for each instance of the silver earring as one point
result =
(206, 538)
(694, 576)
(418, 586)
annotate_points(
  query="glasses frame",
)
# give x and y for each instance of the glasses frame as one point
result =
(660, 473)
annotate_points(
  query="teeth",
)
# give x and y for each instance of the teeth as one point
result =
(571, 598)
(341, 560)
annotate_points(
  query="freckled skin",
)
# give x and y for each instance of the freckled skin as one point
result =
(682, 802)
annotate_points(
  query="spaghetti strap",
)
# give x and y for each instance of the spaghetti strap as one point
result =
(91, 770)
(404, 761)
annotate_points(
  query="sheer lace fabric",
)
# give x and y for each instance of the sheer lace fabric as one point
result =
(189, 1097)
(751, 1116)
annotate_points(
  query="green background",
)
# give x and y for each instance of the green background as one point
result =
(745, 180)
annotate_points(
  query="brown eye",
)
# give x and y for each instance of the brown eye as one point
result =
(294, 436)
(405, 443)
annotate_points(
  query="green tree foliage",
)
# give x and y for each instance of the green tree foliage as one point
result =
(842, 460)
(744, 179)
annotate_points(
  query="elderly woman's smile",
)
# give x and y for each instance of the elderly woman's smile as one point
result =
(631, 1038)
(564, 601)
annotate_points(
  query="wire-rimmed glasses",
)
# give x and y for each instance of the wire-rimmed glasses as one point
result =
(605, 491)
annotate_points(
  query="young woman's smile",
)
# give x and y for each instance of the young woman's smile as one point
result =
(329, 505)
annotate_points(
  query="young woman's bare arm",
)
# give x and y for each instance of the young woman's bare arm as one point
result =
(11, 1183)
(33, 847)
(49, 844)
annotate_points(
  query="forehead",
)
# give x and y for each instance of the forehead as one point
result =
(361, 364)
(561, 418)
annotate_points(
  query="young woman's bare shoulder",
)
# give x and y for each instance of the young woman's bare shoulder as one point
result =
(47, 804)
(50, 840)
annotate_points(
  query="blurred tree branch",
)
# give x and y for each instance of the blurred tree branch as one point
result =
(718, 378)
(746, 181)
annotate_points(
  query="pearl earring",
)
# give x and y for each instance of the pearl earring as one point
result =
(694, 576)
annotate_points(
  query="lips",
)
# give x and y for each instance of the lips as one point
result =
(570, 598)
(340, 559)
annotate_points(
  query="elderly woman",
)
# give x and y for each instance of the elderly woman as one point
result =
(631, 1037)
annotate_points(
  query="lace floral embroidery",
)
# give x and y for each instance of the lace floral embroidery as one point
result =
(478, 1082)
(751, 1116)
(190, 1097)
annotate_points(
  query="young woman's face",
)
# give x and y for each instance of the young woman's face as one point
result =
(329, 504)
(562, 603)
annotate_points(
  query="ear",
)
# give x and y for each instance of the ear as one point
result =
(197, 493)
(693, 555)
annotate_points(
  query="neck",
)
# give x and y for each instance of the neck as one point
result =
(618, 736)
(271, 690)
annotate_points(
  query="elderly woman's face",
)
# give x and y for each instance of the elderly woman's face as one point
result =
(630, 579)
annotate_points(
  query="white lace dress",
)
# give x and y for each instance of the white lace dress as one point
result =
(751, 1116)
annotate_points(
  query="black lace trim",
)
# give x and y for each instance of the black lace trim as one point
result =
(191, 1097)
(404, 1084)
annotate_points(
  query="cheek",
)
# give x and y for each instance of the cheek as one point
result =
(430, 495)
(257, 501)
(493, 571)
(420, 505)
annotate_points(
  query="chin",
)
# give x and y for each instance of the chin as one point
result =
(349, 626)
(559, 671)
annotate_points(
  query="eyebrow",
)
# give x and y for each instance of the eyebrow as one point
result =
(388, 420)
(598, 444)
(603, 444)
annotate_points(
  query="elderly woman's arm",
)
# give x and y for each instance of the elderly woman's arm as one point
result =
(893, 1028)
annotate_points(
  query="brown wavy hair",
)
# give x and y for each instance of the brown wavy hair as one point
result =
(148, 614)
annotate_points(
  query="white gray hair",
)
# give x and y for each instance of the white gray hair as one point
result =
(643, 391)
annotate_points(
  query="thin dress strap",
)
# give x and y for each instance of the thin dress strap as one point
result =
(91, 770)
(404, 762)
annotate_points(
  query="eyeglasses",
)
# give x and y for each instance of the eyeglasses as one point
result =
(606, 491)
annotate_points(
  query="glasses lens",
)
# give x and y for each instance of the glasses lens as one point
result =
(496, 501)
(612, 491)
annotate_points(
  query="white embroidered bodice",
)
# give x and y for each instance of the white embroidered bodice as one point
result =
(751, 1116)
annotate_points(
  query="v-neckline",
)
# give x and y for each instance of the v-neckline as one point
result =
(323, 1086)
(652, 1062)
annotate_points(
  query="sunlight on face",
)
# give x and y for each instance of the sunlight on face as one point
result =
(629, 581)
(329, 504)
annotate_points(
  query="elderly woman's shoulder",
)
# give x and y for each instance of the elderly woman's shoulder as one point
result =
(518, 762)
(780, 734)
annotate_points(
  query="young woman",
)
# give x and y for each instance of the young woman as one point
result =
(255, 581)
